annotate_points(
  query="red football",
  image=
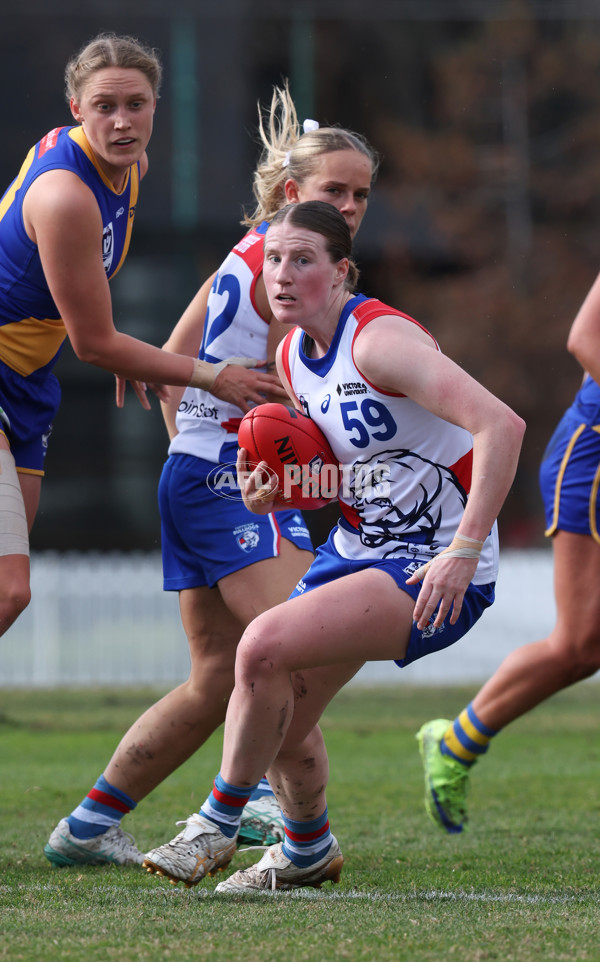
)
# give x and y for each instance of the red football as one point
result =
(296, 450)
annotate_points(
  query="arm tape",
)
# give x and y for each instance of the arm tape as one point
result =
(14, 536)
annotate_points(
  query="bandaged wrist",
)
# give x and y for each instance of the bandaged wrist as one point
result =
(205, 374)
(460, 547)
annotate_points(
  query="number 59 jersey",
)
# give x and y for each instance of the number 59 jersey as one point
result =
(406, 473)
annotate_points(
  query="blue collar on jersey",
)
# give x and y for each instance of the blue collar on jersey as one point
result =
(322, 365)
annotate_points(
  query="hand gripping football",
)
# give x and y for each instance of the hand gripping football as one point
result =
(296, 450)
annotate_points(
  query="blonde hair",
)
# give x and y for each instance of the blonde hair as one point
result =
(110, 50)
(290, 153)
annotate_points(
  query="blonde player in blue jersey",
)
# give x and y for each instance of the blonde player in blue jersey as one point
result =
(227, 565)
(65, 228)
(428, 456)
(569, 480)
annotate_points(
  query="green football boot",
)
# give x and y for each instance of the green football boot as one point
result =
(446, 780)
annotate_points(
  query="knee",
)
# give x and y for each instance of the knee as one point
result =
(587, 662)
(581, 657)
(260, 651)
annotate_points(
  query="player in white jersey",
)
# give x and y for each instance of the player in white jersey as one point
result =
(227, 564)
(403, 574)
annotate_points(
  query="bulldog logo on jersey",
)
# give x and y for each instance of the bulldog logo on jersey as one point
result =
(413, 497)
(108, 247)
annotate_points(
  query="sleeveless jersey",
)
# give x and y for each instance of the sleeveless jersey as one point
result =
(31, 330)
(233, 327)
(406, 473)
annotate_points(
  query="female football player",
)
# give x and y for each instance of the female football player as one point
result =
(65, 228)
(428, 456)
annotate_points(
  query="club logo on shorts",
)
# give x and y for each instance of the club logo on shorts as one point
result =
(247, 536)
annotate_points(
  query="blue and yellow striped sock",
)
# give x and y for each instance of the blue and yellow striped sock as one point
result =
(225, 805)
(467, 738)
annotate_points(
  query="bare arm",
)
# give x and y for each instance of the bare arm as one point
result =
(398, 357)
(584, 337)
(62, 217)
(185, 338)
(238, 384)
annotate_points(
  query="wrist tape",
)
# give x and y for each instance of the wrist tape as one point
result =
(459, 547)
(205, 374)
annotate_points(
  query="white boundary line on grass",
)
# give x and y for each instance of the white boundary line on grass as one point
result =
(432, 895)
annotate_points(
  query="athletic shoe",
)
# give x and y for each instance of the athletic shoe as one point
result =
(114, 845)
(262, 822)
(446, 780)
(276, 871)
(200, 850)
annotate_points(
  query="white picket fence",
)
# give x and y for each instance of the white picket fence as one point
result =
(105, 620)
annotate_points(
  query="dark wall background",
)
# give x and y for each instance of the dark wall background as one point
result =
(484, 224)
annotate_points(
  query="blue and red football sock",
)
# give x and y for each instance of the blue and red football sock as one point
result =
(306, 842)
(262, 789)
(103, 807)
(225, 805)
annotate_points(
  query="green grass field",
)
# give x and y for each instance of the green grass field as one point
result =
(522, 884)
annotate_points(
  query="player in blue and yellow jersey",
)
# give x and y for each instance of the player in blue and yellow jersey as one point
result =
(569, 481)
(65, 227)
(226, 564)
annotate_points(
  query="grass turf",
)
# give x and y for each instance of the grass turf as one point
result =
(521, 884)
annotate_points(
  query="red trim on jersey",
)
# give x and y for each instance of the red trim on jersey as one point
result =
(463, 469)
(351, 515)
(232, 426)
(109, 800)
(285, 355)
(251, 251)
(49, 141)
(368, 311)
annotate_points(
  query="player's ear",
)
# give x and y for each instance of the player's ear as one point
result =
(291, 191)
(75, 111)
(341, 269)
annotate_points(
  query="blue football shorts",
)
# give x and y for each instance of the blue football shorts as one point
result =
(206, 536)
(29, 405)
(570, 473)
(330, 565)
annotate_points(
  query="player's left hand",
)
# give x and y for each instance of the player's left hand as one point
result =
(140, 388)
(445, 581)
